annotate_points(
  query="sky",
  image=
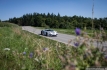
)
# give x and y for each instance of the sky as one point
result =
(17, 8)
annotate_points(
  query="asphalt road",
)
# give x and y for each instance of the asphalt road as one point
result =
(64, 38)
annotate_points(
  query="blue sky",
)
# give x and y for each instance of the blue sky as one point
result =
(17, 8)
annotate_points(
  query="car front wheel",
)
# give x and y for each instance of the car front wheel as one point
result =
(46, 34)
(41, 32)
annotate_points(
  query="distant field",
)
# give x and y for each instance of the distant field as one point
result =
(21, 50)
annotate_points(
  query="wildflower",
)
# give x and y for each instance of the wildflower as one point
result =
(24, 53)
(105, 56)
(77, 31)
(45, 49)
(76, 44)
(31, 55)
(6, 49)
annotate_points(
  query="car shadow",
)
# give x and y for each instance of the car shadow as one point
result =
(47, 36)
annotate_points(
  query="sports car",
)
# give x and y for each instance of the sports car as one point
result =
(49, 32)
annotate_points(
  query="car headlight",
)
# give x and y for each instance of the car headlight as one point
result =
(50, 32)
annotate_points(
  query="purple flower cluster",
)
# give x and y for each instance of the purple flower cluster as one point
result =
(76, 44)
(45, 49)
(24, 53)
(105, 56)
(77, 31)
(31, 55)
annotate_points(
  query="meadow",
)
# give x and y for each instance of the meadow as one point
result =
(21, 50)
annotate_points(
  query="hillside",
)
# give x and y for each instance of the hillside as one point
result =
(21, 50)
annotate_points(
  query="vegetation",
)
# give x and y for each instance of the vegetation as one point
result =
(3, 24)
(21, 50)
(56, 21)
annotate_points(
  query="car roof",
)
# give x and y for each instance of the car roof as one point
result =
(48, 29)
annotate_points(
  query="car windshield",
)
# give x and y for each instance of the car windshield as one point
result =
(49, 30)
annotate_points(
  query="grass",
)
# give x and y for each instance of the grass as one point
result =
(21, 41)
(4, 24)
(21, 50)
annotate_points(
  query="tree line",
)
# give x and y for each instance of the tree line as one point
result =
(56, 21)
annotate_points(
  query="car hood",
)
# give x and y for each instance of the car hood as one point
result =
(52, 31)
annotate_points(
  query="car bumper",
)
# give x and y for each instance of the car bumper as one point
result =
(53, 34)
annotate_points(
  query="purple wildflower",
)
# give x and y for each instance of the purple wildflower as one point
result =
(24, 53)
(76, 44)
(77, 31)
(105, 56)
(31, 55)
(45, 49)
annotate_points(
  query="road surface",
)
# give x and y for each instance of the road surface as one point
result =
(64, 38)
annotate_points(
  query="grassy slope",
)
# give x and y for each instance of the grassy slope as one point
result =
(55, 56)
(19, 41)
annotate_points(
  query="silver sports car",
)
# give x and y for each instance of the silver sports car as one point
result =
(49, 32)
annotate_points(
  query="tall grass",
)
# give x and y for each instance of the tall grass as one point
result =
(21, 45)
(21, 50)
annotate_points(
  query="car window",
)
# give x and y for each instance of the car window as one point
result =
(49, 30)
